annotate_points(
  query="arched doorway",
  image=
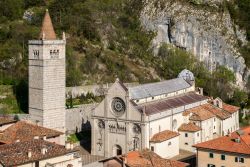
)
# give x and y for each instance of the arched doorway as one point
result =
(117, 150)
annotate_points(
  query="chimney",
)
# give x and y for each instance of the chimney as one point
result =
(43, 150)
(67, 145)
(29, 153)
(237, 140)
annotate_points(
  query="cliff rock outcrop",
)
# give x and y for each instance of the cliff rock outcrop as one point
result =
(206, 30)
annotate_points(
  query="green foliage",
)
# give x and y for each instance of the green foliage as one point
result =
(239, 11)
(85, 135)
(83, 99)
(11, 9)
(8, 103)
(239, 98)
(217, 84)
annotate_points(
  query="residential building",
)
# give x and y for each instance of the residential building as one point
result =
(144, 158)
(24, 131)
(190, 134)
(226, 151)
(6, 122)
(38, 153)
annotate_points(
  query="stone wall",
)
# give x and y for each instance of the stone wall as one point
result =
(97, 90)
(78, 118)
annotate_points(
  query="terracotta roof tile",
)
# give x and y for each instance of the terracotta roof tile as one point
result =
(163, 136)
(147, 158)
(17, 153)
(230, 108)
(47, 30)
(216, 111)
(228, 143)
(24, 131)
(198, 114)
(190, 127)
(6, 120)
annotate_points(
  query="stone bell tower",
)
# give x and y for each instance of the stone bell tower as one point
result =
(47, 78)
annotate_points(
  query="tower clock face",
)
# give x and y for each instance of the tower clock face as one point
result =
(118, 106)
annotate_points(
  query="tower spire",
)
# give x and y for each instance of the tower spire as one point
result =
(47, 30)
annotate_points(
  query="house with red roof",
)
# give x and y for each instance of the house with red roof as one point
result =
(230, 150)
(144, 158)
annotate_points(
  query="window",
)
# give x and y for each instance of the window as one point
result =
(210, 165)
(153, 98)
(186, 143)
(214, 119)
(137, 101)
(186, 135)
(223, 157)
(214, 127)
(159, 128)
(211, 155)
(169, 143)
(198, 134)
(152, 148)
(239, 159)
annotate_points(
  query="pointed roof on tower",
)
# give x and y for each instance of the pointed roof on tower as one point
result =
(47, 30)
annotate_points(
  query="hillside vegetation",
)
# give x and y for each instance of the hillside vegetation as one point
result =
(105, 40)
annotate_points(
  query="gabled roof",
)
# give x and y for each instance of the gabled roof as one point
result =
(47, 30)
(229, 143)
(6, 120)
(189, 127)
(24, 131)
(163, 136)
(144, 158)
(216, 111)
(17, 153)
(147, 158)
(230, 108)
(198, 114)
(158, 88)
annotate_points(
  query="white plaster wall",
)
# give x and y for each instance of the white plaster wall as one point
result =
(207, 129)
(164, 124)
(61, 161)
(192, 139)
(165, 150)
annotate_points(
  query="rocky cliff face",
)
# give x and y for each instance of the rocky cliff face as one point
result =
(207, 31)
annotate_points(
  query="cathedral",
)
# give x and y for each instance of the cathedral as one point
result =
(164, 116)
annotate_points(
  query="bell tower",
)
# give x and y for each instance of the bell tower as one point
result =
(47, 78)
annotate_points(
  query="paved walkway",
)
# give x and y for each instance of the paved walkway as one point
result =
(87, 158)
